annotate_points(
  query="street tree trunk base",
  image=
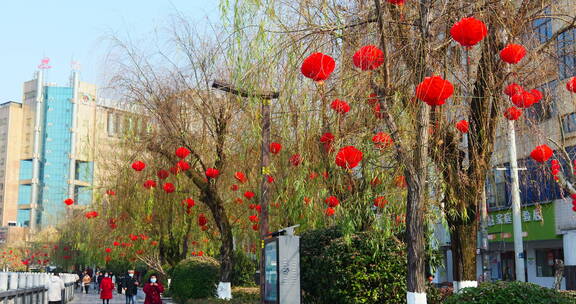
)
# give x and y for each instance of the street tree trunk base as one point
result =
(459, 285)
(416, 298)
(224, 291)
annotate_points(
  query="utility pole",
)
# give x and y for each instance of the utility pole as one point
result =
(266, 98)
(516, 216)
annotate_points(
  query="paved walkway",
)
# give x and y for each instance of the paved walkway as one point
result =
(94, 298)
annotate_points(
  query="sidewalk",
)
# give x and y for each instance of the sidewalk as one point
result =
(94, 298)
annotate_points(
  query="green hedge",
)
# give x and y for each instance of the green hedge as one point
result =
(509, 293)
(362, 268)
(194, 278)
(244, 270)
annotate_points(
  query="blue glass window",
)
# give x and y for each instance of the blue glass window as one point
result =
(566, 47)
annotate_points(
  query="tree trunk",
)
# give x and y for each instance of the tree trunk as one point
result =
(415, 236)
(463, 245)
(221, 220)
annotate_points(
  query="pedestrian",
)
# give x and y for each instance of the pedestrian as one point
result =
(106, 287)
(153, 289)
(55, 287)
(130, 287)
(86, 282)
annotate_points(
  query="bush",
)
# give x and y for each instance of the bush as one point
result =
(243, 271)
(194, 278)
(510, 293)
(363, 268)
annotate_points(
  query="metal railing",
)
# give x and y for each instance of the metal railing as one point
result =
(32, 288)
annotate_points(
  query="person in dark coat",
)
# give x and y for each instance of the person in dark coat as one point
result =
(153, 289)
(130, 287)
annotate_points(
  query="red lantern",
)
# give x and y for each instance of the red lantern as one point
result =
(571, 85)
(434, 90)
(513, 89)
(295, 160)
(138, 165)
(275, 147)
(373, 99)
(108, 250)
(175, 170)
(183, 165)
(240, 177)
(133, 237)
(329, 211)
(400, 181)
(524, 99)
(163, 174)
(468, 31)
(202, 220)
(377, 111)
(513, 113)
(541, 153)
(69, 201)
(348, 157)
(368, 58)
(234, 187)
(512, 53)
(382, 140)
(212, 173)
(154, 243)
(149, 184)
(340, 106)
(249, 194)
(327, 138)
(332, 201)
(380, 202)
(270, 179)
(255, 227)
(462, 126)
(318, 67)
(110, 192)
(182, 152)
(169, 187)
(254, 218)
(190, 203)
(396, 2)
(537, 95)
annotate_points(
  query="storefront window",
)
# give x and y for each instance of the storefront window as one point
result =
(545, 261)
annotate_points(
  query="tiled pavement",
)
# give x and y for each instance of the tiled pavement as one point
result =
(94, 298)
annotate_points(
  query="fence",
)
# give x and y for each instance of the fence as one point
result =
(32, 288)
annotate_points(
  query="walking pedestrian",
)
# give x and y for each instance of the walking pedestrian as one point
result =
(130, 287)
(55, 287)
(153, 289)
(106, 287)
(86, 282)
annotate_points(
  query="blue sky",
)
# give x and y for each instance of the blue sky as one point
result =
(66, 30)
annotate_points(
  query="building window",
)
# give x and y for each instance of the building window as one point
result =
(496, 190)
(111, 124)
(545, 261)
(543, 27)
(569, 123)
(544, 109)
(566, 47)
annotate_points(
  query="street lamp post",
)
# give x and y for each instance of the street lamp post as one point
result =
(264, 161)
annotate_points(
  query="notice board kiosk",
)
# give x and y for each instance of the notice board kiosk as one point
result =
(282, 267)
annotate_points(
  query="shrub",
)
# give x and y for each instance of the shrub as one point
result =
(243, 271)
(194, 278)
(510, 293)
(363, 268)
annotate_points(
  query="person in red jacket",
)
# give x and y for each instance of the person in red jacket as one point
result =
(106, 287)
(153, 289)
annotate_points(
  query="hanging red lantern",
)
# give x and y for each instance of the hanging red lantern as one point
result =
(462, 126)
(275, 148)
(380, 202)
(382, 140)
(327, 139)
(182, 152)
(202, 220)
(329, 211)
(513, 113)
(175, 170)
(377, 112)
(234, 187)
(116, 243)
(368, 57)
(541, 153)
(434, 90)
(373, 99)
(318, 67)
(571, 85)
(513, 53)
(240, 177)
(396, 2)
(108, 250)
(154, 243)
(348, 157)
(295, 160)
(537, 95)
(169, 187)
(255, 227)
(332, 201)
(400, 181)
(249, 194)
(163, 174)
(149, 184)
(138, 165)
(254, 219)
(340, 106)
(468, 31)
(523, 100)
(190, 203)
(133, 237)
(212, 173)
(69, 201)
(110, 192)
(513, 89)
(270, 179)
(183, 165)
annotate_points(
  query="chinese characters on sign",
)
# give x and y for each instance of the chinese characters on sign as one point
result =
(506, 218)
